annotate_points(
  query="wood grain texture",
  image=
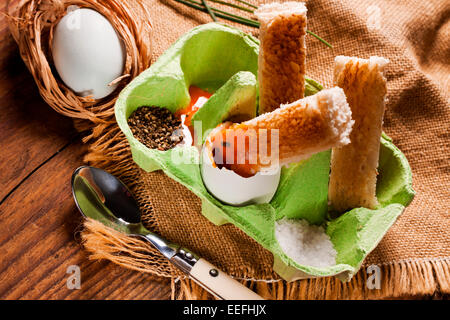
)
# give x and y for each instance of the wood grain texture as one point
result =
(39, 151)
(38, 244)
(30, 132)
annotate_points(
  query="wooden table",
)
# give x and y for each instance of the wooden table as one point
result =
(38, 218)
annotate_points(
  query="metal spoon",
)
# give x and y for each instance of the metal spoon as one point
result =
(101, 196)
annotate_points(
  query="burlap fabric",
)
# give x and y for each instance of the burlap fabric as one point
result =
(414, 256)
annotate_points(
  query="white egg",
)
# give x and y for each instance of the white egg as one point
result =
(232, 189)
(87, 53)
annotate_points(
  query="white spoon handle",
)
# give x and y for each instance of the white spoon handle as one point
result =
(219, 283)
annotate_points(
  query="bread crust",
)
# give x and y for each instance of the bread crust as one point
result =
(282, 55)
(354, 166)
(293, 132)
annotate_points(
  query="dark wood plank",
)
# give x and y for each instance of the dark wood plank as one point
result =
(37, 212)
(38, 244)
(30, 131)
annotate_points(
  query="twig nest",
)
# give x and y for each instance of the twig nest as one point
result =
(32, 24)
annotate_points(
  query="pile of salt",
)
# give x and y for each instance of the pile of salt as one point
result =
(306, 244)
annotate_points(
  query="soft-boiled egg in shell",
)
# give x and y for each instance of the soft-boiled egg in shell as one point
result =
(232, 189)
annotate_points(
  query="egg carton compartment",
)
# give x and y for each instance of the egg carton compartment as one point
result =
(210, 57)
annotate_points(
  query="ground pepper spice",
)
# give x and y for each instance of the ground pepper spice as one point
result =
(156, 128)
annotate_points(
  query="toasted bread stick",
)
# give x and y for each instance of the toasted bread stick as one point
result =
(282, 55)
(354, 166)
(291, 133)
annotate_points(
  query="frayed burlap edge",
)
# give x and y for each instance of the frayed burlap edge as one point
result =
(398, 278)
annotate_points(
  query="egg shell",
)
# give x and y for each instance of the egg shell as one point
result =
(230, 188)
(88, 53)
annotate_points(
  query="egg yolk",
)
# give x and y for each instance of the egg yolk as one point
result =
(198, 99)
(236, 148)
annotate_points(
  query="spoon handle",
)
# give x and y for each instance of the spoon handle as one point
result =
(201, 271)
(219, 283)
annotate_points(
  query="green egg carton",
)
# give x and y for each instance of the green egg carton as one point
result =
(224, 60)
